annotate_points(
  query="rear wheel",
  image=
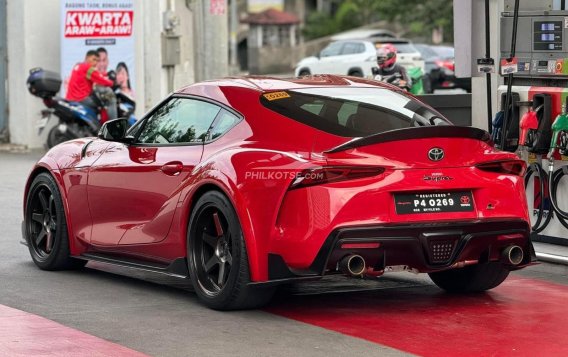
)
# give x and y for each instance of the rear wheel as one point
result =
(56, 137)
(304, 72)
(217, 257)
(356, 73)
(473, 278)
(46, 226)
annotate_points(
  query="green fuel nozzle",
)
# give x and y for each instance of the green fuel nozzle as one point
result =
(559, 127)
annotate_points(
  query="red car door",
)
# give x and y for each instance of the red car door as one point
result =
(133, 189)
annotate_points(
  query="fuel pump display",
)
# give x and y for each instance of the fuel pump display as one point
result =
(540, 124)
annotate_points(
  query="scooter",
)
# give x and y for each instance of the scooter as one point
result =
(75, 119)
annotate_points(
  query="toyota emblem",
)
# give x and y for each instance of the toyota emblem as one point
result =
(436, 154)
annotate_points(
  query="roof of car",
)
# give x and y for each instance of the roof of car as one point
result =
(269, 84)
(363, 33)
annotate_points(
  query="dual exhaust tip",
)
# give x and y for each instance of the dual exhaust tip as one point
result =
(355, 265)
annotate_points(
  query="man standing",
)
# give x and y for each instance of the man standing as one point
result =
(83, 77)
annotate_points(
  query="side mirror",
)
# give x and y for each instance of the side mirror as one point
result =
(115, 130)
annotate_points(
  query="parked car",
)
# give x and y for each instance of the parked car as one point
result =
(349, 57)
(245, 183)
(448, 53)
(356, 57)
(439, 69)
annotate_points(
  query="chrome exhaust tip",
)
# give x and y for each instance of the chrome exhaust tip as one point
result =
(513, 255)
(352, 265)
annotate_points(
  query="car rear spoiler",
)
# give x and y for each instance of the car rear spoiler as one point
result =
(423, 132)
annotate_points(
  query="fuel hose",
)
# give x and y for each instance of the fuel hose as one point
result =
(554, 182)
(537, 171)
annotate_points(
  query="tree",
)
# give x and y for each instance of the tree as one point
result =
(420, 17)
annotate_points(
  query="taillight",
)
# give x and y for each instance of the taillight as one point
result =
(446, 64)
(513, 167)
(328, 174)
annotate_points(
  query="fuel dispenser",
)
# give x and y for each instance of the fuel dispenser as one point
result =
(536, 91)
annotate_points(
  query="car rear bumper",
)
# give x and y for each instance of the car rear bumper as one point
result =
(421, 247)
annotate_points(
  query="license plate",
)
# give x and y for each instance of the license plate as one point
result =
(430, 202)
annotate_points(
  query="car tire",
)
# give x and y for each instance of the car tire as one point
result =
(427, 84)
(304, 72)
(46, 226)
(473, 278)
(356, 73)
(215, 243)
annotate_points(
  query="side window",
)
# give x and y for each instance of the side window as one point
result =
(352, 48)
(225, 122)
(333, 49)
(180, 120)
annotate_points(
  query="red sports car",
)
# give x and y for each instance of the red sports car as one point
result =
(242, 184)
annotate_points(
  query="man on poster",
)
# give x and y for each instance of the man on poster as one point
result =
(83, 76)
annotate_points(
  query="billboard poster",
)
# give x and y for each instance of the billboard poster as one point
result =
(255, 6)
(102, 25)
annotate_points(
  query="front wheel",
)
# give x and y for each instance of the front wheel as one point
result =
(46, 226)
(473, 278)
(217, 257)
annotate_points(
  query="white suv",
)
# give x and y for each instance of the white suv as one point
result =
(356, 58)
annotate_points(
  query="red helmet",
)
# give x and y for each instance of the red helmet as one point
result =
(386, 55)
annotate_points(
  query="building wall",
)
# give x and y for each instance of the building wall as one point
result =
(3, 71)
(34, 41)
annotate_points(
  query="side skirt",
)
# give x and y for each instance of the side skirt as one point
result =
(177, 269)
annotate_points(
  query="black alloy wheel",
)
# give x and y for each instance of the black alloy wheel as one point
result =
(217, 257)
(43, 222)
(213, 251)
(46, 227)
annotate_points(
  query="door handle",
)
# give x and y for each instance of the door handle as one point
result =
(173, 168)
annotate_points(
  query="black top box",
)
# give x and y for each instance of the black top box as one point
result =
(43, 84)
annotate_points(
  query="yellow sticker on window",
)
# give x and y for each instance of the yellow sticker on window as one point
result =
(276, 95)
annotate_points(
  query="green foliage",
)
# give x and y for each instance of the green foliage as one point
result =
(420, 17)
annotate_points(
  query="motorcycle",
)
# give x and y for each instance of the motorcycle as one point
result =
(75, 119)
(414, 73)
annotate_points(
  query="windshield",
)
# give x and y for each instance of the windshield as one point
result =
(427, 52)
(352, 112)
(405, 48)
(445, 52)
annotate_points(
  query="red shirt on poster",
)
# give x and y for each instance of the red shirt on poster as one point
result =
(83, 76)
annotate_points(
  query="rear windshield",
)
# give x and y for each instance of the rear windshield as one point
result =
(352, 112)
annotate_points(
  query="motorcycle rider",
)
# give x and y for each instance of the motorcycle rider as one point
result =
(83, 76)
(389, 71)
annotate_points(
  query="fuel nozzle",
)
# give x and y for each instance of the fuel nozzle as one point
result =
(559, 134)
(528, 123)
